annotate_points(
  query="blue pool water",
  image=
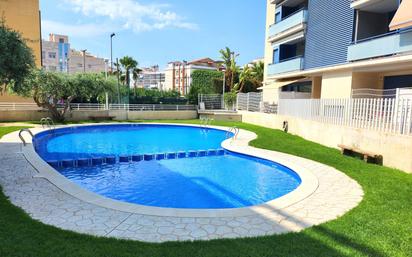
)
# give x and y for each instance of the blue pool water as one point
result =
(220, 181)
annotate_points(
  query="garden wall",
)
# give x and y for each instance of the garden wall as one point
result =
(395, 149)
(32, 115)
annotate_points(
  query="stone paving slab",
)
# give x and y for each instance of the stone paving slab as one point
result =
(336, 194)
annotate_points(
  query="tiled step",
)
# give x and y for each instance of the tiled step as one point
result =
(134, 158)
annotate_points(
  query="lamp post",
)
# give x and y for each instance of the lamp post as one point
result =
(84, 60)
(111, 51)
(224, 88)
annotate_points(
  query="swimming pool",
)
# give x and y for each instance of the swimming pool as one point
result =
(166, 166)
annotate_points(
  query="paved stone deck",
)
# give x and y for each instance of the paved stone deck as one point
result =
(336, 194)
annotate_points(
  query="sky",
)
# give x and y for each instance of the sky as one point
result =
(161, 31)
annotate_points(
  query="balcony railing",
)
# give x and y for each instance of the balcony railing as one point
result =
(381, 45)
(288, 65)
(291, 21)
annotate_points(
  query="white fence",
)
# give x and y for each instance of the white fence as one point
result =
(392, 115)
(249, 102)
(100, 107)
(211, 101)
(152, 107)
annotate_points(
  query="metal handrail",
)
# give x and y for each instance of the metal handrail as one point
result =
(21, 137)
(235, 131)
(47, 121)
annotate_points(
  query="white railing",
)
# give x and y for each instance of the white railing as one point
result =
(87, 107)
(392, 115)
(99, 107)
(152, 107)
(18, 106)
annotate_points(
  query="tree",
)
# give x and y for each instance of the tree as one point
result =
(135, 74)
(204, 82)
(55, 91)
(232, 69)
(245, 75)
(258, 71)
(16, 58)
(128, 64)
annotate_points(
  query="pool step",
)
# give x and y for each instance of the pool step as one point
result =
(85, 162)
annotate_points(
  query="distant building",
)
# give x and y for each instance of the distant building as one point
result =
(55, 53)
(93, 63)
(179, 74)
(150, 78)
(59, 57)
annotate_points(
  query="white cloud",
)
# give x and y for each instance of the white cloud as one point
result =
(80, 31)
(132, 15)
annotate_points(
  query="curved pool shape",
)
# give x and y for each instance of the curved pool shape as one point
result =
(215, 181)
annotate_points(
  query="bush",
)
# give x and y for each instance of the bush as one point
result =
(204, 82)
(16, 58)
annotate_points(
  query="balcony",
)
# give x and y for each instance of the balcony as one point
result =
(290, 25)
(383, 45)
(288, 65)
(374, 5)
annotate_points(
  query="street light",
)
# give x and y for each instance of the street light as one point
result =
(111, 51)
(224, 88)
(84, 60)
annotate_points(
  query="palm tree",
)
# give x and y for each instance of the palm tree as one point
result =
(258, 70)
(245, 75)
(128, 64)
(135, 75)
(229, 61)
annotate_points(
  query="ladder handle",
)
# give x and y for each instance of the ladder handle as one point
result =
(21, 137)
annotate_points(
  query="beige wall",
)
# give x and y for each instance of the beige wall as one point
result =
(271, 95)
(23, 16)
(395, 149)
(85, 115)
(367, 80)
(337, 85)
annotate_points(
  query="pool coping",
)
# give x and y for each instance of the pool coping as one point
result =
(240, 145)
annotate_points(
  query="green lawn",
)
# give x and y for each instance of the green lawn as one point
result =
(380, 226)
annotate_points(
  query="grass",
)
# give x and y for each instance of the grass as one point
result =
(380, 226)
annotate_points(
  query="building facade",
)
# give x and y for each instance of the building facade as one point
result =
(56, 53)
(85, 62)
(179, 74)
(60, 57)
(24, 17)
(336, 48)
(151, 78)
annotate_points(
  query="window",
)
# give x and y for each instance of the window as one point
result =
(52, 68)
(61, 40)
(52, 55)
(276, 55)
(278, 17)
(80, 65)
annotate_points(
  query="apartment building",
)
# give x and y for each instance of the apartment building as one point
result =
(60, 57)
(151, 78)
(179, 74)
(55, 53)
(337, 48)
(86, 62)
